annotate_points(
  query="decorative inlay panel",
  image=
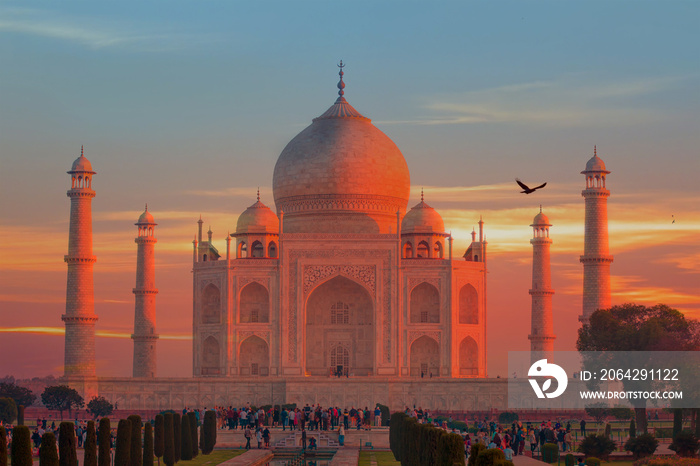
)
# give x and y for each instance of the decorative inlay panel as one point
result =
(362, 273)
(264, 281)
(415, 281)
(413, 335)
(265, 335)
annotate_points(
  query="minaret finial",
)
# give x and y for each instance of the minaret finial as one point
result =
(540, 208)
(595, 151)
(421, 194)
(341, 84)
(146, 206)
(258, 193)
(82, 153)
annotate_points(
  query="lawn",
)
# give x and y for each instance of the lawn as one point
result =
(215, 457)
(383, 458)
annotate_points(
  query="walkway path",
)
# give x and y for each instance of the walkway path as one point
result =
(249, 458)
(523, 460)
(346, 457)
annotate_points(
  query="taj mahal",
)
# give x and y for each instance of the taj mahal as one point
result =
(342, 294)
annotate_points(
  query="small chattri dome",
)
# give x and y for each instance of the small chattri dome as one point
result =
(541, 220)
(258, 218)
(81, 164)
(595, 164)
(146, 218)
(422, 219)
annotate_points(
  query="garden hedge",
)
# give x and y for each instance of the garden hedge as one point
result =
(90, 445)
(67, 454)
(48, 453)
(21, 447)
(105, 444)
(147, 445)
(123, 450)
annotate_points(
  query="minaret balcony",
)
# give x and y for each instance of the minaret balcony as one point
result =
(596, 259)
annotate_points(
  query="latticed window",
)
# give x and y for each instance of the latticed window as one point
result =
(254, 368)
(340, 314)
(255, 315)
(423, 317)
(424, 368)
(340, 357)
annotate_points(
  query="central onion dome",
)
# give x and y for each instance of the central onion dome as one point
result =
(341, 175)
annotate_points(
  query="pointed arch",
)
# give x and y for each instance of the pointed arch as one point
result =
(272, 250)
(425, 304)
(437, 250)
(254, 357)
(257, 250)
(468, 357)
(211, 304)
(423, 250)
(425, 357)
(468, 305)
(407, 250)
(254, 304)
(242, 250)
(211, 356)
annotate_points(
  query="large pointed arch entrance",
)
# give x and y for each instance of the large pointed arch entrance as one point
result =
(340, 329)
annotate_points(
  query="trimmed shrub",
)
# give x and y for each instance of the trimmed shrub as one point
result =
(395, 426)
(633, 428)
(177, 439)
(592, 461)
(193, 433)
(677, 421)
(608, 430)
(644, 445)
(569, 460)
(450, 450)
(490, 456)
(8, 410)
(201, 437)
(3, 446)
(90, 445)
(685, 444)
(48, 453)
(209, 432)
(67, 456)
(123, 449)
(186, 440)
(168, 441)
(21, 447)
(105, 445)
(507, 417)
(597, 446)
(148, 445)
(20, 415)
(386, 414)
(474, 452)
(135, 456)
(159, 437)
(550, 453)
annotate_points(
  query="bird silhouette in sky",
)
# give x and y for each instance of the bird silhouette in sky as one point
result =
(527, 189)
(674, 219)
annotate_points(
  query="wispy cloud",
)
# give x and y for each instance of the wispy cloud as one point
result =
(568, 101)
(98, 333)
(95, 33)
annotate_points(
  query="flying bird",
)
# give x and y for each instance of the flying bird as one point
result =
(527, 189)
(674, 219)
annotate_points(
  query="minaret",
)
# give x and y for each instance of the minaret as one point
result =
(145, 337)
(542, 331)
(596, 258)
(80, 318)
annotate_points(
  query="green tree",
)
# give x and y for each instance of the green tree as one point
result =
(67, 456)
(8, 410)
(159, 437)
(177, 438)
(148, 444)
(21, 447)
(3, 446)
(61, 398)
(169, 441)
(22, 396)
(48, 454)
(186, 439)
(209, 429)
(193, 433)
(135, 457)
(123, 449)
(99, 406)
(633, 327)
(90, 445)
(105, 450)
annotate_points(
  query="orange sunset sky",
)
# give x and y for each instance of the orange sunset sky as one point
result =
(187, 108)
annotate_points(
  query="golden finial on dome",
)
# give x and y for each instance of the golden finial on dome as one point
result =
(341, 84)
(595, 151)
(258, 193)
(81, 151)
(421, 194)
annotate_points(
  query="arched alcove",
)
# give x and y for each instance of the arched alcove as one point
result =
(468, 357)
(425, 304)
(254, 357)
(254, 304)
(211, 304)
(425, 357)
(211, 357)
(468, 305)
